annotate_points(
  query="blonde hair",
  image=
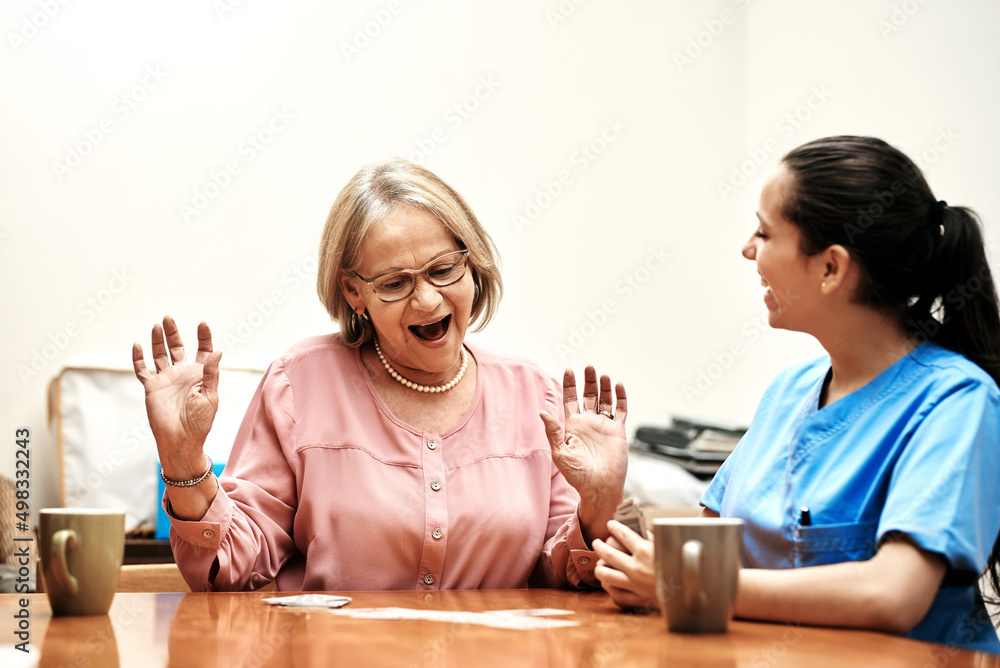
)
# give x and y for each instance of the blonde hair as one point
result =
(368, 198)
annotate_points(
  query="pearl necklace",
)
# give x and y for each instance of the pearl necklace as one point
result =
(423, 388)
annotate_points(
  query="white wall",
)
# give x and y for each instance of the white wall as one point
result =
(199, 77)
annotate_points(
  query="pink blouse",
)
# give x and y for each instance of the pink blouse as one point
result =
(325, 490)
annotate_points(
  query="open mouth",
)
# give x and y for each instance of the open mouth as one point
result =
(766, 286)
(433, 331)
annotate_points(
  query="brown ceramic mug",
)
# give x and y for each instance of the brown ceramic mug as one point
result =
(82, 551)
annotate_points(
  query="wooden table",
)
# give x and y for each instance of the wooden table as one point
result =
(151, 630)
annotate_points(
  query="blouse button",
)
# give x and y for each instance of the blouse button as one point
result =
(208, 533)
(584, 560)
(435, 485)
(429, 579)
(432, 444)
(437, 533)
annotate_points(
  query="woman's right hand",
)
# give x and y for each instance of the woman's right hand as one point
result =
(181, 397)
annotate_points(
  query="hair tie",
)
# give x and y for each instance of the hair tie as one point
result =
(937, 214)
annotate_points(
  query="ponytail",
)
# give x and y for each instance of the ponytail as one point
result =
(970, 319)
(961, 296)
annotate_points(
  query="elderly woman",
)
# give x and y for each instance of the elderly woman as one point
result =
(393, 454)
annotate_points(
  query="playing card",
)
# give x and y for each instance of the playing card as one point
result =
(309, 601)
(630, 514)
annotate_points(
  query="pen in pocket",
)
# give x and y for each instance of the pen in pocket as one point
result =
(805, 518)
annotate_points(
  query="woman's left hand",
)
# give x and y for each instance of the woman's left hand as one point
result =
(592, 451)
(626, 569)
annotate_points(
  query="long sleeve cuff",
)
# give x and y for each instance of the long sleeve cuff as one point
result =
(584, 559)
(207, 532)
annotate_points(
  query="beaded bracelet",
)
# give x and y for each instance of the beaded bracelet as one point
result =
(187, 483)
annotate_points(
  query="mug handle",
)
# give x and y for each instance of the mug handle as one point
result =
(61, 541)
(694, 596)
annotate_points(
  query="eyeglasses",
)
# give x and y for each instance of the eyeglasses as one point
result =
(441, 271)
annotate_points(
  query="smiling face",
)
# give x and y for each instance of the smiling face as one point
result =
(420, 335)
(793, 279)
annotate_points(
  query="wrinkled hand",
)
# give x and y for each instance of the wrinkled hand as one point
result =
(181, 397)
(592, 450)
(626, 568)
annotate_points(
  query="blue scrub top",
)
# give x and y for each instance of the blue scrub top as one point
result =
(916, 451)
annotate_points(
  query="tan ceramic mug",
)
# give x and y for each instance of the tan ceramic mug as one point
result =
(697, 571)
(82, 551)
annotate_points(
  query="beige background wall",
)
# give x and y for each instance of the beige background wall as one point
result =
(181, 157)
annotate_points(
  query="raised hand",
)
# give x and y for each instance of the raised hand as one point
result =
(181, 397)
(592, 450)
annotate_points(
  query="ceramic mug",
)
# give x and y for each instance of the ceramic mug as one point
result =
(697, 571)
(82, 551)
